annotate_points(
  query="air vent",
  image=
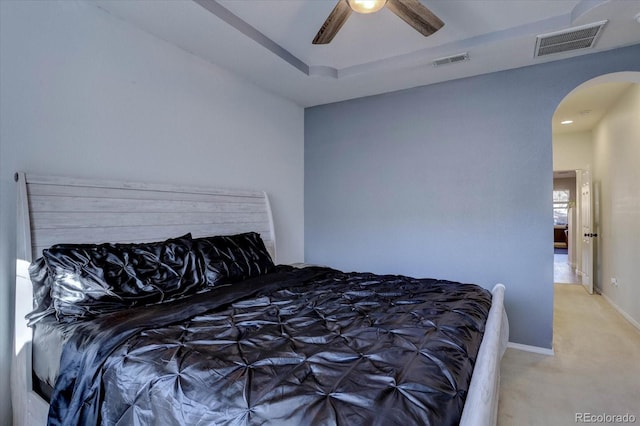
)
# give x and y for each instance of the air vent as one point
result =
(451, 59)
(576, 38)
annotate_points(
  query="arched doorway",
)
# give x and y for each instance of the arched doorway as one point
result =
(603, 138)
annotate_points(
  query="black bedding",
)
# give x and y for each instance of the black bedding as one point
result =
(291, 347)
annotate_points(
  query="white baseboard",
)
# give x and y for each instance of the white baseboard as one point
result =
(626, 316)
(528, 348)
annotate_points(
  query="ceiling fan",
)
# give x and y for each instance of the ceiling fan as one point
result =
(412, 12)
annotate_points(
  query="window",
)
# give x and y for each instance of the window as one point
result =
(561, 207)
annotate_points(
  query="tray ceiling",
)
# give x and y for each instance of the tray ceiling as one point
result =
(269, 41)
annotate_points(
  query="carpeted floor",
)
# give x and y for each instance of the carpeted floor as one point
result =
(595, 370)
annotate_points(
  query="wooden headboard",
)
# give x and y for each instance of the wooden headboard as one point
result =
(55, 210)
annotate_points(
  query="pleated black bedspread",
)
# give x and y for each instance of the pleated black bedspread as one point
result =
(310, 346)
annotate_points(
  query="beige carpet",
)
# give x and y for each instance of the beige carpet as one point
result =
(595, 370)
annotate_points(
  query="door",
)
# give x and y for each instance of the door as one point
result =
(588, 235)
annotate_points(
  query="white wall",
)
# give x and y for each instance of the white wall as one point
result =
(572, 151)
(617, 174)
(83, 94)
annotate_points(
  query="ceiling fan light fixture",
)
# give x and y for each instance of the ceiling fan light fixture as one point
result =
(412, 12)
(366, 6)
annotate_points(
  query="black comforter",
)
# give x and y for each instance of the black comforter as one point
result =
(309, 346)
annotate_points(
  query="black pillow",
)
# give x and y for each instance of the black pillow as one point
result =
(234, 258)
(41, 282)
(89, 280)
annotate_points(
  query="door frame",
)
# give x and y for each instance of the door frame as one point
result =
(587, 232)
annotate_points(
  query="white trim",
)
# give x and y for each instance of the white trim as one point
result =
(626, 316)
(529, 348)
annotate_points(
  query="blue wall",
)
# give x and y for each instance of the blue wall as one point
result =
(451, 180)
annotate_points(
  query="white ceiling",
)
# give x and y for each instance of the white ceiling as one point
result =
(586, 106)
(269, 41)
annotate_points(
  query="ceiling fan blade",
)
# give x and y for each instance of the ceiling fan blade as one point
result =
(334, 22)
(417, 15)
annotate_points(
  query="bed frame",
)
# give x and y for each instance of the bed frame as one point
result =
(54, 210)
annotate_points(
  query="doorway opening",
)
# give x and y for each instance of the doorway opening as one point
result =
(564, 227)
(593, 143)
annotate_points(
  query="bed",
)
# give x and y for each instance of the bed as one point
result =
(238, 341)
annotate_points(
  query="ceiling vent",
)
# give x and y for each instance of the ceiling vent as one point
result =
(575, 38)
(451, 59)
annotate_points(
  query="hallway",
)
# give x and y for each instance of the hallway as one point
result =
(562, 271)
(594, 370)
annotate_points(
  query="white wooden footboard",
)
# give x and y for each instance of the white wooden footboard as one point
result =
(481, 406)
